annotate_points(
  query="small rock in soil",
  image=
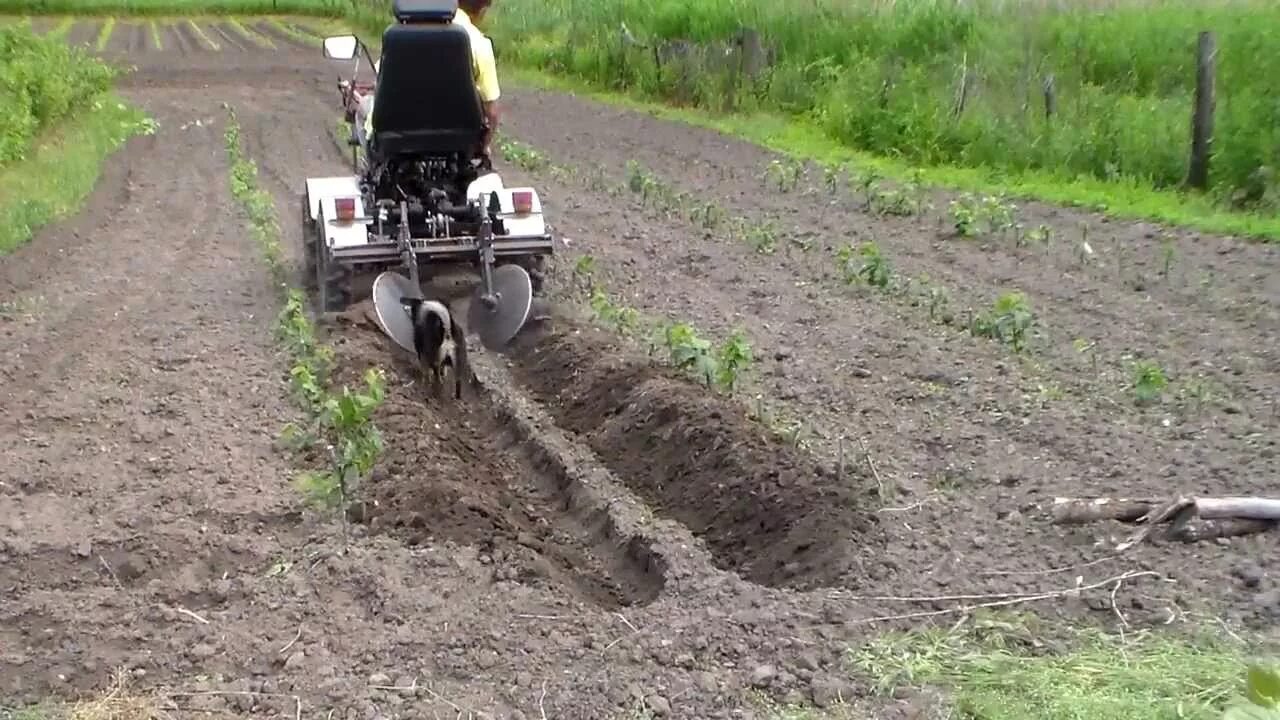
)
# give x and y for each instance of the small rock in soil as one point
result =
(295, 660)
(660, 706)
(826, 691)
(707, 681)
(762, 676)
(1250, 575)
(1268, 602)
(203, 650)
(379, 679)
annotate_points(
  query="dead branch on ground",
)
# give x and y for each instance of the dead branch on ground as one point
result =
(1187, 518)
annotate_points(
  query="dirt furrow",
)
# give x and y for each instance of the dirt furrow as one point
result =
(965, 437)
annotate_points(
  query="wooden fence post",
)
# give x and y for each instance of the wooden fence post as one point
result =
(1050, 98)
(1202, 116)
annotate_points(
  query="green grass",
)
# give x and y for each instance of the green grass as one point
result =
(882, 77)
(804, 140)
(62, 168)
(1123, 72)
(994, 674)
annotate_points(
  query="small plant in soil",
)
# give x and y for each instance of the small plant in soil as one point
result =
(964, 215)
(1148, 382)
(1041, 235)
(998, 213)
(708, 215)
(867, 183)
(785, 174)
(620, 319)
(939, 305)
(584, 271)
(1083, 346)
(875, 269)
(733, 357)
(522, 156)
(691, 353)
(1197, 393)
(831, 178)
(893, 202)
(353, 441)
(1168, 255)
(763, 237)
(1009, 320)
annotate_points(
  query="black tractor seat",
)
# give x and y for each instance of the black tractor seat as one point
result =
(426, 104)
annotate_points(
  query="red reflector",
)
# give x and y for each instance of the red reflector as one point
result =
(522, 200)
(346, 208)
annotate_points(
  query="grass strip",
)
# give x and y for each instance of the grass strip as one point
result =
(104, 34)
(1003, 671)
(802, 141)
(61, 170)
(295, 33)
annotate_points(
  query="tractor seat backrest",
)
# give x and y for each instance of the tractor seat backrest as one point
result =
(426, 101)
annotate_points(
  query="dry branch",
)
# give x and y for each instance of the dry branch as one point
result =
(1012, 600)
(1074, 511)
(1189, 518)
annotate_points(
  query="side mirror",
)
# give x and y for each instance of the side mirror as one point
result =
(341, 47)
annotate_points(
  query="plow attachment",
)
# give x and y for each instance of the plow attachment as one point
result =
(496, 314)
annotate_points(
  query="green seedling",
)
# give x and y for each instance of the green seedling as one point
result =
(763, 237)
(1083, 346)
(866, 263)
(998, 213)
(939, 301)
(867, 183)
(733, 357)
(622, 320)
(964, 215)
(831, 178)
(1040, 235)
(1149, 381)
(893, 202)
(691, 353)
(785, 174)
(1009, 321)
(1168, 254)
(875, 269)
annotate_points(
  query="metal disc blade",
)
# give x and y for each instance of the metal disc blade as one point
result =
(388, 288)
(497, 326)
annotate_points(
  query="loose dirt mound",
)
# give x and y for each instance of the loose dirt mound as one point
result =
(766, 510)
(452, 473)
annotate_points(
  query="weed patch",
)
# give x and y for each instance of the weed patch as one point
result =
(61, 168)
(42, 81)
(999, 671)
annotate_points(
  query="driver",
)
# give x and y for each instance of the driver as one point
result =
(484, 70)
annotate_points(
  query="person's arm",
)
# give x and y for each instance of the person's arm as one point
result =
(487, 86)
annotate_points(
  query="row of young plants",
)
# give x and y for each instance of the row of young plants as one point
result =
(336, 420)
(722, 366)
(1009, 320)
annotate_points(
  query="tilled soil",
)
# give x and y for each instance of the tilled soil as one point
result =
(585, 535)
(971, 438)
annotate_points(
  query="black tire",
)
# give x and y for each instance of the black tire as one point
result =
(309, 246)
(332, 292)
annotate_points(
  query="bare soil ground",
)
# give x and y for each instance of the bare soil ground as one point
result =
(586, 535)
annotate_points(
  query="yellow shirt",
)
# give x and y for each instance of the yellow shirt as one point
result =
(483, 65)
(484, 68)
